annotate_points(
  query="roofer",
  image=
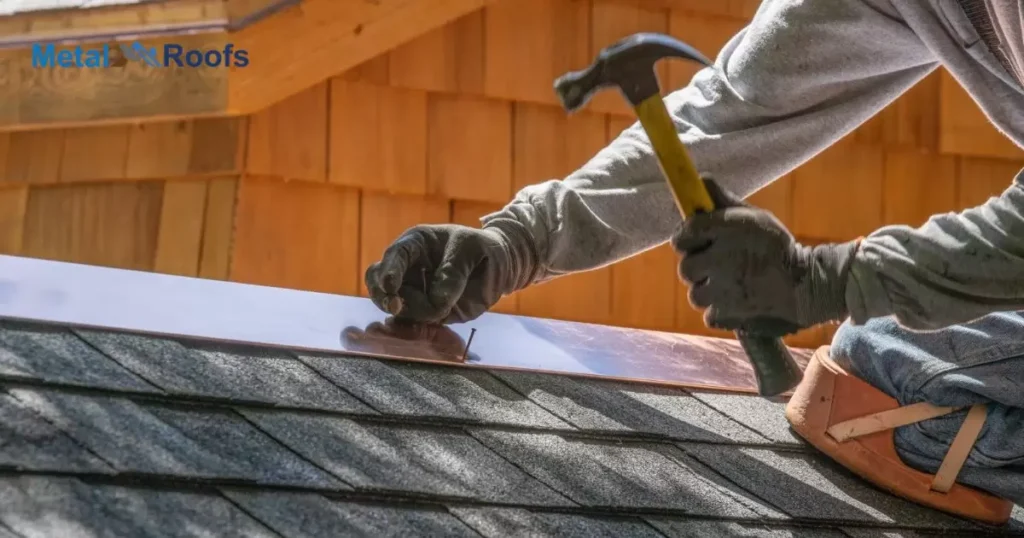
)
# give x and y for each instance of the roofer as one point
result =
(798, 78)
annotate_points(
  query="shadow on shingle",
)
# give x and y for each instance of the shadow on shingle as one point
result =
(55, 355)
(302, 515)
(601, 405)
(65, 507)
(402, 388)
(191, 443)
(224, 371)
(810, 486)
(419, 460)
(673, 528)
(502, 522)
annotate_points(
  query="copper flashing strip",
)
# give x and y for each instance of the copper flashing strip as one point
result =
(156, 304)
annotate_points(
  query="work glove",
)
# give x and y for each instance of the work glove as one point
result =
(450, 273)
(744, 267)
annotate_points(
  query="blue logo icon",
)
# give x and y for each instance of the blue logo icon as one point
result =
(136, 52)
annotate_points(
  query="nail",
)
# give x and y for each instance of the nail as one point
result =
(465, 352)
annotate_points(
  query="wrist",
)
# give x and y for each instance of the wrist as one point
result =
(518, 258)
(821, 294)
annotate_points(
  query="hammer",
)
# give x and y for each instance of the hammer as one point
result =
(629, 64)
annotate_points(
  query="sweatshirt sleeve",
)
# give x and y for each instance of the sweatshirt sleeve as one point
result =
(799, 77)
(955, 268)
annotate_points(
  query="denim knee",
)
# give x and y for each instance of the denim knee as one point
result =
(859, 346)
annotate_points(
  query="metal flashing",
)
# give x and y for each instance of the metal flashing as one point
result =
(157, 304)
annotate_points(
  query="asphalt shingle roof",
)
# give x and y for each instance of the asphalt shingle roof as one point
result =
(105, 434)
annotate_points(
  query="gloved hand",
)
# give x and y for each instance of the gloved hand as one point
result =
(744, 267)
(449, 273)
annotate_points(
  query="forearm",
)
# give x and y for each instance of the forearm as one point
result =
(955, 268)
(770, 103)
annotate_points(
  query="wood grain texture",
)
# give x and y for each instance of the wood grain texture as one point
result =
(13, 203)
(94, 153)
(38, 98)
(643, 290)
(332, 37)
(776, 197)
(707, 33)
(159, 149)
(218, 228)
(384, 217)
(529, 43)
(468, 214)
(110, 224)
(180, 235)
(289, 139)
(610, 21)
(963, 127)
(917, 185)
(979, 179)
(34, 156)
(373, 71)
(913, 120)
(218, 146)
(469, 148)
(549, 144)
(448, 59)
(584, 296)
(296, 235)
(378, 137)
(842, 177)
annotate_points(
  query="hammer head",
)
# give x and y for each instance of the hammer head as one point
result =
(628, 64)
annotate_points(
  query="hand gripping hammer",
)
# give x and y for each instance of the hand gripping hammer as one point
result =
(629, 64)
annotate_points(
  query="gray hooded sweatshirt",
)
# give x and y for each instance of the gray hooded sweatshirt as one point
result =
(801, 76)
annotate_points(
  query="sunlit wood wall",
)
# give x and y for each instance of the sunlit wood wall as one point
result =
(445, 129)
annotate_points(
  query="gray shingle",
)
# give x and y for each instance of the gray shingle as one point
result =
(606, 405)
(807, 485)
(28, 441)
(767, 418)
(1016, 519)
(502, 522)
(878, 533)
(301, 515)
(676, 528)
(42, 507)
(125, 435)
(232, 438)
(224, 371)
(57, 356)
(629, 475)
(410, 389)
(430, 461)
(131, 438)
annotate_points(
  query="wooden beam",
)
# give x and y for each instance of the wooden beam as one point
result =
(289, 52)
(307, 44)
(37, 97)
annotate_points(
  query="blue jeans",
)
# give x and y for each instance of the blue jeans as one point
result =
(978, 362)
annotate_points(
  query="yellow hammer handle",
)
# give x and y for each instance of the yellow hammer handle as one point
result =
(683, 178)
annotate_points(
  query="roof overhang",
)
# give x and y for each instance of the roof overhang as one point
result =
(165, 305)
(291, 45)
